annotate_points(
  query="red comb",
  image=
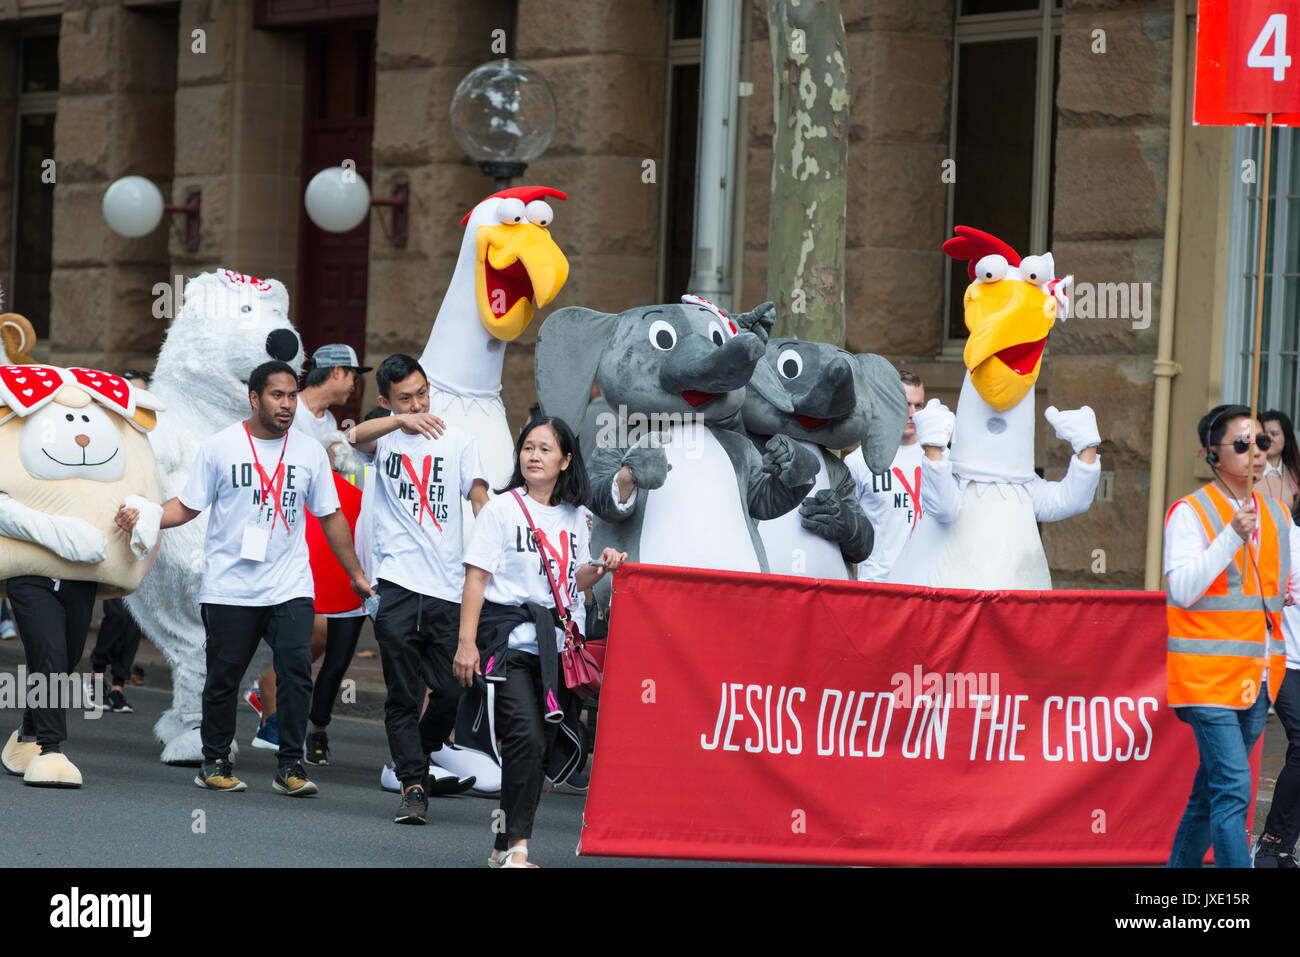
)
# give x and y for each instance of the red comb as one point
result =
(525, 193)
(974, 244)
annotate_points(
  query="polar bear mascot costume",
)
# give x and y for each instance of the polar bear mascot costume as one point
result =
(229, 324)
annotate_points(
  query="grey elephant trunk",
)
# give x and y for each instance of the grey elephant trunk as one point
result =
(833, 396)
(697, 365)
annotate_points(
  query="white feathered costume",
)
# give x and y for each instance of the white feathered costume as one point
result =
(229, 324)
(508, 267)
(983, 503)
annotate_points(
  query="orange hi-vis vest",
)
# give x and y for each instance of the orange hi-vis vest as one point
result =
(1219, 647)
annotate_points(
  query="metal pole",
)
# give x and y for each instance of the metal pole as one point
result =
(1259, 287)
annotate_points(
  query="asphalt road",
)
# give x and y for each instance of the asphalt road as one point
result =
(134, 811)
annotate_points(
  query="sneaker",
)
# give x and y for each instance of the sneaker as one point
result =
(116, 703)
(576, 783)
(414, 807)
(317, 749)
(294, 782)
(253, 696)
(1271, 854)
(90, 689)
(219, 777)
(8, 630)
(268, 735)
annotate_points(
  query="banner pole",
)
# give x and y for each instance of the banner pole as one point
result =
(1259, 286)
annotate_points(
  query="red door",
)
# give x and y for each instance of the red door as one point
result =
(338, 128)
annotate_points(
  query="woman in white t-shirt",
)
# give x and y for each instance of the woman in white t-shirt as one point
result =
(507, 598)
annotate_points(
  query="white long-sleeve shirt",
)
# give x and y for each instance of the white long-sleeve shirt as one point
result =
(1193, 562)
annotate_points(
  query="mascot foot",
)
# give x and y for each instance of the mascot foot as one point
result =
(186, 749)
(468, 763)
(18, 754)
(441, 783)
(52, 771)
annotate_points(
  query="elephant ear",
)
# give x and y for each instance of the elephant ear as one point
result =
(885, 402)
(569, 346)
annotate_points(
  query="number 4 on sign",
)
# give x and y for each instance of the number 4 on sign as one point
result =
(1278, 61)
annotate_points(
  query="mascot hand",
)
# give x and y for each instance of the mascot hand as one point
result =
(759, 321)
(934, 424)
(649, 466)
(823, 514)
(789, 461)
(1078, 427)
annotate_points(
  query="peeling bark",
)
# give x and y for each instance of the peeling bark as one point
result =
(810, 105)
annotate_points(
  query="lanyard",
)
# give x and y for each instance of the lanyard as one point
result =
(422, 485)
(274, 483)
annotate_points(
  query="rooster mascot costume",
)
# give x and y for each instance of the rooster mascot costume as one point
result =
(983, 503)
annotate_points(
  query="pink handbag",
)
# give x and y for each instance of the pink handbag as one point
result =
(582, 672)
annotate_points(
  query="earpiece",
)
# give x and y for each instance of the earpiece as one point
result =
(1212, 457)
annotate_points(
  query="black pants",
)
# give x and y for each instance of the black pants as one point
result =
(1284, 814)
(524, 738)
(340, 645)
(417, 636)
(233, 633)
(53, 620)
(119, 638)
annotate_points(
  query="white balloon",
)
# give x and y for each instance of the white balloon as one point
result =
(133, 206)
(337, 199)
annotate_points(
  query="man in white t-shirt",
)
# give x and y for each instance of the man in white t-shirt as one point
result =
(892, 499)
(419, 478)
(259, 478)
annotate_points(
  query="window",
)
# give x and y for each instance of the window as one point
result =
(1003, 131)
(681, 139)
(1278, 336)
(33, 207)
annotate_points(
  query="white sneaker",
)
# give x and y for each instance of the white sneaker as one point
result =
(441, 783)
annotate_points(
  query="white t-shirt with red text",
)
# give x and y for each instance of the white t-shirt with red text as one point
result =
(500, 543)
(891, 500)
(224, 477)
(419, 546)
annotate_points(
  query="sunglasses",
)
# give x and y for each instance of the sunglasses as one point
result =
(1241, 445)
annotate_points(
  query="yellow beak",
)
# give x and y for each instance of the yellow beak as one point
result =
(1008, 322)
(518, 269)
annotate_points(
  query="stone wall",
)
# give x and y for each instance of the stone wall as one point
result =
(9, 58)
(605, 64)
(1112, 155)
(238, 114)
(117, 81)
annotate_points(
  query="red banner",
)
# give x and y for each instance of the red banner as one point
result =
(333, 585)
(769, 718)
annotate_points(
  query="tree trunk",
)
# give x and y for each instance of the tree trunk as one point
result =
(810, 105)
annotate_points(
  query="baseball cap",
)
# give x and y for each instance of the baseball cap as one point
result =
(337, 354)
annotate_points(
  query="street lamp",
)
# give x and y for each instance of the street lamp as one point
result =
(338, 200)
(133, 207)
(503, 117)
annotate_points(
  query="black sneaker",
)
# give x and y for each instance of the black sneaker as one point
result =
(317, 749)
(414, 807)
(1270, 854)
(116, 703)
(294, 782)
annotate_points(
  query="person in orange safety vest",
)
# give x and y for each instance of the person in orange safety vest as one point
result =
(1228, 566)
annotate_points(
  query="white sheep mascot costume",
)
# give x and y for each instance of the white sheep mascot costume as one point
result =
(229, 324)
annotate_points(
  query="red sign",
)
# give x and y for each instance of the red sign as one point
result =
(768, 718)
(1247, 62)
